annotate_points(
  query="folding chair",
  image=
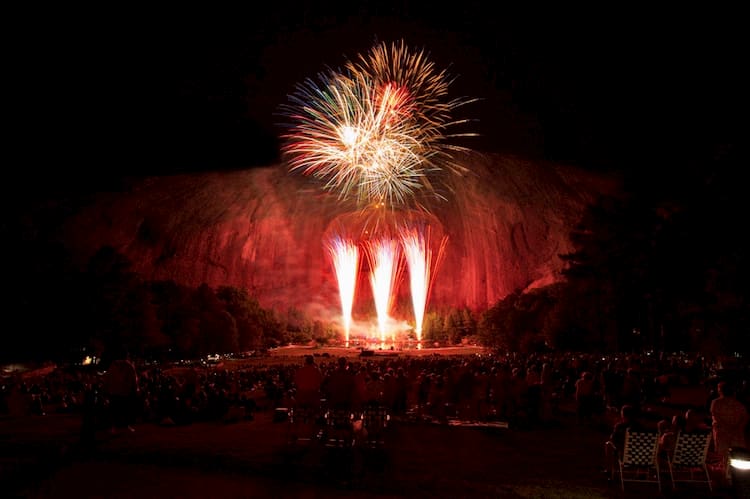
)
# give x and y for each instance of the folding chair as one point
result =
(375, 420)
(339, 431)
(338, 443)
(302, 425)
(371, 443)
(688, 461)
(639, 459)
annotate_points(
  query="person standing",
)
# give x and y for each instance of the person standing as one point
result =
(585, 398)
(308, 380)
(121, 384)
(339, 386)
(88, 417)
(729, 419)
(305, 401)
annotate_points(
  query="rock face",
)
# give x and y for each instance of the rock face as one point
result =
(506, 221)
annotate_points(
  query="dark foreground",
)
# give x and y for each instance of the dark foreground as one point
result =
(41, 457)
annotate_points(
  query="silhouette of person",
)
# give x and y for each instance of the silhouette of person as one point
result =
(308, 380)
(729, 417)
(121, 384)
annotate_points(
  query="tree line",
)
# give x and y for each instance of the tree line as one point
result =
(662, 267)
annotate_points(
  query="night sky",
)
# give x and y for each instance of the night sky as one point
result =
(134, 93)
(95, 97)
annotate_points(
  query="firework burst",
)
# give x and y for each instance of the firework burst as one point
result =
(376, 131)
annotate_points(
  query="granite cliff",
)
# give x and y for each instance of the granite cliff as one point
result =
(506, 221)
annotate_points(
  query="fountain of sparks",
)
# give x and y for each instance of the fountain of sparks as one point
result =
(345, 258)
(419, 259)
(384, 271)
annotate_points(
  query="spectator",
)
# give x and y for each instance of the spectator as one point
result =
(339, 386)
(308, 380)
(615, 445)
(585, 399)
(632, 388)
(374, 389)
(729, 419)
(668, 431)
(401, 392)
(361, 378)
(121, 384)
(695, 423)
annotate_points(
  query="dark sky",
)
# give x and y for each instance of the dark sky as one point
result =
(139, 93)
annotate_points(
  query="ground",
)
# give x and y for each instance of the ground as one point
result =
(41, 457)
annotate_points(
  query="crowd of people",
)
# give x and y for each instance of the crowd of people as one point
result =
(523, 390)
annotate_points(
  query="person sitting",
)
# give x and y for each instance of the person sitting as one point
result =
(614, 446)
(695, 423)
(668, 431)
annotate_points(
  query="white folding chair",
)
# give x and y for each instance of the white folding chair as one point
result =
(639, 459)
(688, 461)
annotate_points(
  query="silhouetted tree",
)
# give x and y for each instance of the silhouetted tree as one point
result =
(115, 302)
(433, 328)
(247, 314)
(517, 323)
(661, 268)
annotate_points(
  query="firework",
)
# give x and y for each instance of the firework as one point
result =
(345, 258)
(384, 273)
(376, 131)
(419, 259)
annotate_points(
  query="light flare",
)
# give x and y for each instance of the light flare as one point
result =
(384, 257)
(419, 259)
(345, 259)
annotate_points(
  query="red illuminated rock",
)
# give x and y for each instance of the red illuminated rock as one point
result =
(506, 221)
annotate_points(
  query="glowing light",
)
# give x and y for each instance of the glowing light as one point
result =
(345, 258)
(384, 272)
(418, 255)
(377, 130)
(740, 464)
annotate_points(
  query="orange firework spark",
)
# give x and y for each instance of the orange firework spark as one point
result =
(376, 131)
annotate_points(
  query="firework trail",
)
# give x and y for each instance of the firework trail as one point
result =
(345, 258)
(384, 273)
(375, 131)
(418, 255)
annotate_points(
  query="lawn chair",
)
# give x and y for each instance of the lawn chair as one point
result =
(375, 421)
(688, 461)
(303, 425)
(338, 442)
(638, 461)
(339, 431)
(374, 460)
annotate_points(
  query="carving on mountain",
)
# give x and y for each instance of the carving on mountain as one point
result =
(507, 221)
